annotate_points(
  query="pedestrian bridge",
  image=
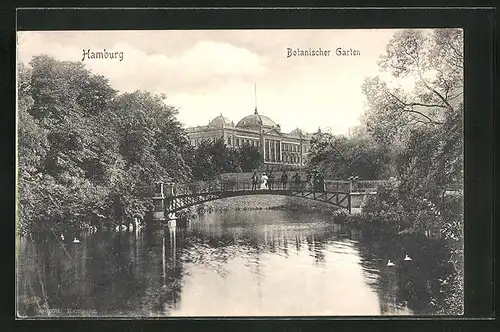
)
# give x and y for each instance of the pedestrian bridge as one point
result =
(169, 197)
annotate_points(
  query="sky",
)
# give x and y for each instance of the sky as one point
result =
(205, 73)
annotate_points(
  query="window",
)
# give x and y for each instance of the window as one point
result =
(237, 142)
(229, 140)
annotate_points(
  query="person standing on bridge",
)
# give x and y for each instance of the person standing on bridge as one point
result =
(271, 179)
(263, 184)
(255, 180)
(297, 180)
(320, 180)
(309, 183)
(284, 179)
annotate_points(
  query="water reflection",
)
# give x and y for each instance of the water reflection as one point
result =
(252, 263)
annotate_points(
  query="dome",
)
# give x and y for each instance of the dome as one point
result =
(298, 133)
(256, 121)
(221, 122)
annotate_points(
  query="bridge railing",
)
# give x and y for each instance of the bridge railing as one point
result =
(200, 187)
(369, 185)
(196, 187)
(327, 185)
(337, 186)
(353, 186)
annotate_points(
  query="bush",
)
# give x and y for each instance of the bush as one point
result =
(339, 216)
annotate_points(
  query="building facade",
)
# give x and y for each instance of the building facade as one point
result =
(278, 149)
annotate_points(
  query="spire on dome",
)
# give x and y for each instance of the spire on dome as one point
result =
(255, 98)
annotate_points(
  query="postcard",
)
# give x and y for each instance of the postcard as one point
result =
(240, 173)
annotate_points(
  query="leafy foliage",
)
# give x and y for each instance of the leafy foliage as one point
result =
(411, 132)
(341, 157)
(422, 129)
(212, 158)
(250, 157)
(83, 147)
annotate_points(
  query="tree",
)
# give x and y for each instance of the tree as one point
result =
(417, 124)
(434, 63)
(341, 156)
(250, 157)
(81, 145)
(32, 137)
(212, 158)
(422, 127)
(152, 146)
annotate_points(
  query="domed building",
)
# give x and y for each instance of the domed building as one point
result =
(221, 122)
(279, 149)
(256, 121)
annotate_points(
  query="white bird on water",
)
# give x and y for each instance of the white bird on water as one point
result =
(407, 258)
(75, 240)
(389, 263)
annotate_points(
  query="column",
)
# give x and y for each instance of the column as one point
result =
(269, 150)
(300, 147)
(273, 146)
(263, 147)
(281, 151)
(276, 150)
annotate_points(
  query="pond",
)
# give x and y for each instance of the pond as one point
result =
(250, 263)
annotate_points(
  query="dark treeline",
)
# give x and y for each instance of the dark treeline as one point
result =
(83, 147)
(212, 158)
(90, 155)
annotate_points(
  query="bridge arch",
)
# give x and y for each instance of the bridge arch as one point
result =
(169, 199)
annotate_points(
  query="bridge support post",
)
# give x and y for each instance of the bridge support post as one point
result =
(159, 202)
(349, 203)
(169, 190)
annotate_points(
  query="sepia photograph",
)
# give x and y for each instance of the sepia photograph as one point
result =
(239, 173)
